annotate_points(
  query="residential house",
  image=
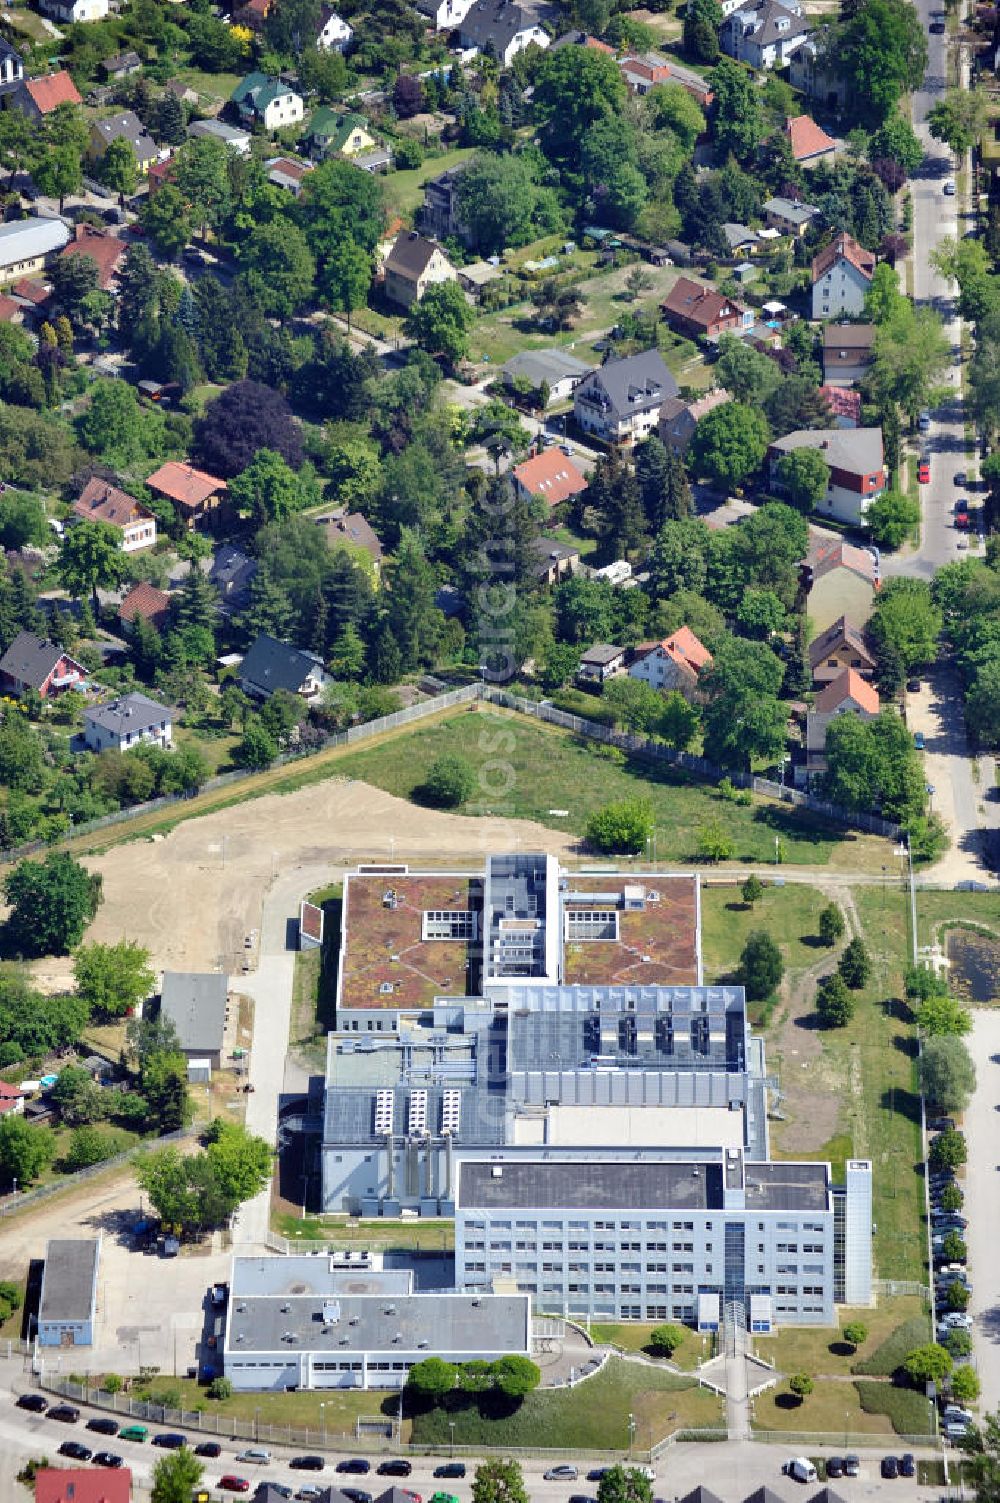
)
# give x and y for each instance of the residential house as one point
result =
(11, 311)
(125, 126)
(644, 72)
(601, 662)
(38, 97)
(160, 173)
(809, 142)
(26, 245)
(841, 580)
(352, 530)
(839, 648)
(271, 665)
(555, 369)
(11, 68)
(508, 26)
(551, 475)
(77, 1484)
(286, 173)
(122, 65)
(445, 14)
(333, 33)
(125, 723)
(197, 1004)
(556, 560)
(253, 15)
(788, 216)
(740, 239)
(848, 352)
(413, 265)
(765, 35)
(857, 467)
(104, 249)
(266, 101)
(73, 12)
(339, 133)
(846, 694)
(811, 74)
(181, 91)
(34, 663)
(841, 276)
(844, 404)
(11, 1100)
(237, 140)
(200, 498)
(100, 501)
(674, 663)
(145, 600)
(232, 573)
(679, 419)
(439, 216)
(699, 312)
(620, 402)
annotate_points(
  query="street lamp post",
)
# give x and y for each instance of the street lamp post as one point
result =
(451, 1427)
(631, 1434)
(322, 1415)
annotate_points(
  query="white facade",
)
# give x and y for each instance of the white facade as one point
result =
(334, 35)
(70, 11)
(447, 14)
(286, 109)
(126, 724)
(841, 289)
(659, 669)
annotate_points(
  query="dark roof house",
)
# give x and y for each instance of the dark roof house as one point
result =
(232, 573)
(271, 665)
(33, 662)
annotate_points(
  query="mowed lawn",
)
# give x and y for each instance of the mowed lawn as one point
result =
(790, 914)
(526, 770)
(593, 1416)
(404, 191)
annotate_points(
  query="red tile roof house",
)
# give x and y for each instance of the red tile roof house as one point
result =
(160, 173)
(844, 405)
(38, 97)
(11, 1100)
(643, 72)
(841, 276)
(700, 312)
(145, 600)
(100, 501)
(93, 1484)
(32, 662)
(809, 142)
(551, 475)
(106, 251)
(679, 419)
(200, 498)
(674, 663)
(847, 694)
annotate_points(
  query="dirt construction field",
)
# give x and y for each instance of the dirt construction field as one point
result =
(192, 896)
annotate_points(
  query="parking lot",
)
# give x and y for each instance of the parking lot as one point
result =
(982, 1184)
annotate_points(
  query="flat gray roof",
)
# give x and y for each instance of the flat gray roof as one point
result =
(787, 1187)
(586, 1185)
(69, 1280)
(438, 1323)
(195, 1002)
(318, 1276)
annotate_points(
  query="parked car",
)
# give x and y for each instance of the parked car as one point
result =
(450, 1469)
(955, 1430)
(133, 1432)
(596, 1473)
(356, 1494)
(924, 422)
(233, 1484)
(76, 1451)
(108, 1458)
(170, 1440)
(209, 1448)
(561, 1474)
(852, 1466)
(948, 187)
(356, 1464)
(256, 1455)
(66, 1414)
(281, 1488)
(801, 1468)
(398, 1466)
(308, 1463)
(923, 473)
(36, 1402)
(907, 1465)
(890, 1467)
(835, 1466)
(309, 1491)
(103, 1426)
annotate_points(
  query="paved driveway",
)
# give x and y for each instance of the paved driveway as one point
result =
(958, 798)
(982, 1199)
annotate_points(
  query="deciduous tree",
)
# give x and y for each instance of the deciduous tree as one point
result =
(52, 902)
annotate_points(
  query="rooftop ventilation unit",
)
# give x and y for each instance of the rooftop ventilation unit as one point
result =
(385, 989)
(417, 1119)
(331, 1312)
(451, 1111)
(383, 1113)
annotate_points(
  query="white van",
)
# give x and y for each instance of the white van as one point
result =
(800, 1468)
(255, 1454)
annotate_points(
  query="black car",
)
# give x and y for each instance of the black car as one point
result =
(913, 686)
(356, 1494)
(835, 1466)
(397, 1467)
(890, 1467)
(907, 1465)
(356, 1464)
(103, 1426)
(596, 1473)
(450, 1469)
(36, 1402)
(66, 1414)
(852, 1466)
(208, 1448)
(75, 1450)
(107, 1458)
(281, 1488)
(307, 1464)
(170, 1441)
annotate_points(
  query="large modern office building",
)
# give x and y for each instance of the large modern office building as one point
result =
(534, 1053)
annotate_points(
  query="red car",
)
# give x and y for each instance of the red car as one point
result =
(231, 1484)
(923, 472)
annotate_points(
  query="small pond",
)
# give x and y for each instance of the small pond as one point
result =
(975, 965)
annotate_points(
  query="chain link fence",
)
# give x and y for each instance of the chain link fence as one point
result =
(22, 1199)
